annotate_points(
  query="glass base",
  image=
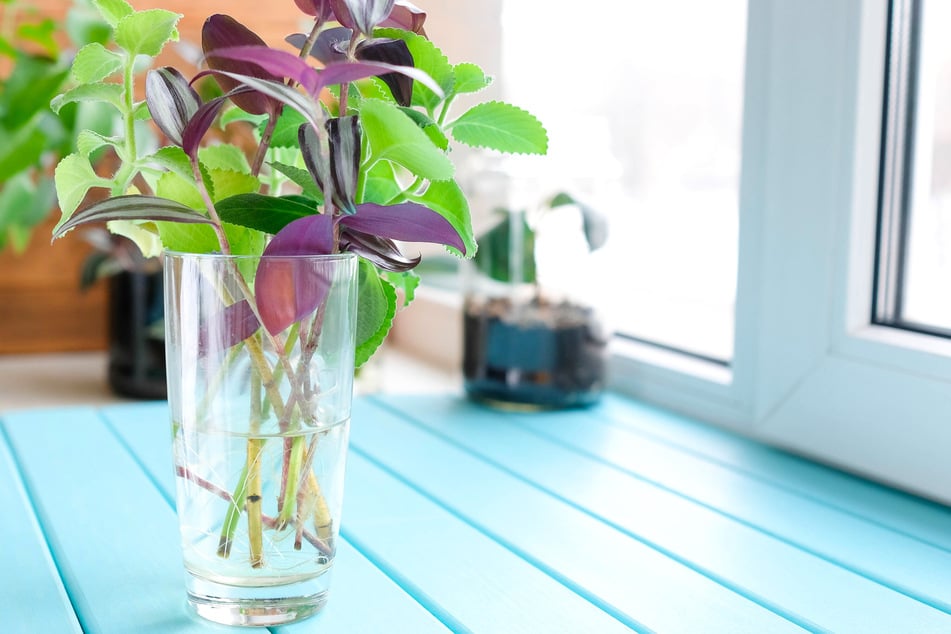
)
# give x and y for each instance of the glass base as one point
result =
(257, 606)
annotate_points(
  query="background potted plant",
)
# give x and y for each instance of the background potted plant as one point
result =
(531, 336)
(283, 263)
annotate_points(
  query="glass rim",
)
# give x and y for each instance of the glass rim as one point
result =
(172, 254)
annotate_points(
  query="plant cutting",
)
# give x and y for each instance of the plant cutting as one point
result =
(532, 341)
(283, 262)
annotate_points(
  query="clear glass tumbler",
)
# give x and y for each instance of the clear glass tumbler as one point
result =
(260, 416)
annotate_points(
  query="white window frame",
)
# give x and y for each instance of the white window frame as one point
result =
(810, 372)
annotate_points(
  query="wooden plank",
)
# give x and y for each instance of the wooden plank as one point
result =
(927, 521)
(112, 535)
(886, 556)
(472, 581)
(732, 552)
(362, 597)
(639, 585)
(32, 596)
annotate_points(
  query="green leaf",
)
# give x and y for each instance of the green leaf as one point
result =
(376, 307)
(98, 92)
(20, 150)
(88, 142)
(235, 114)
(174, 159)
(176, 236)
(179, 189)
(74, 178)
(142, 234)
(392, 136)
(224, 157)
(470, 78)
(448, 200)
(430, 127)
(285, 132)
(16, 198)
(147, 32)
(301, 178)
(407, 281)
(269, 214)
(426, 57)
(502, 127)
(380, 184)
(29, 89)
(112, 11)
(228, 183)
(94, 62)
(130, 208)
(201, 238)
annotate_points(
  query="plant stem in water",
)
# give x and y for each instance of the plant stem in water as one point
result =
(253, 467)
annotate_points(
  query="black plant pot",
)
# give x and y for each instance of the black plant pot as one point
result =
(536, 355)
(136, 337)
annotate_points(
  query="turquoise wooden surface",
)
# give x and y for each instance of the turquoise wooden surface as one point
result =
(459, 518)
(29, 574)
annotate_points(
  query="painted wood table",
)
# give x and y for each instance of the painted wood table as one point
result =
(460, 518)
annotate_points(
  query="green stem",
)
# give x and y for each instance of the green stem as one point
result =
(265, 142)
(400, 197)
(253, 468)
(230, 525)
(444, 113)
(289, 496)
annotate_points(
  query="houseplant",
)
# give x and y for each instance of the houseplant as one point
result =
(531, 339)
(282, 266)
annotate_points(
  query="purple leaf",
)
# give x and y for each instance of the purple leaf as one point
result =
(381, 252)
(239, 322)
(345, 152)
(314, 158)
(310, 235)
(202, 120)
(406, 16)
(410, 222)
(130, 208)
(392, 52)
(172, 102)
(289, 288)
(224, 32)
(288, 65)
(304, 104)
(270, 64)
(352, 71)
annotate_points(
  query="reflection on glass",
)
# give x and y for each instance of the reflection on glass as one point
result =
(645, 124)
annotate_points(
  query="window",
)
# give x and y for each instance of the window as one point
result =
(915, 250)
(644, 121)
(812, 370)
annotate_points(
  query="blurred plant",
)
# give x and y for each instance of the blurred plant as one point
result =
(33, 69)
(507, 250)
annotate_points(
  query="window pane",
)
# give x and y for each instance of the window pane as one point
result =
(926, 292)
(644, 118)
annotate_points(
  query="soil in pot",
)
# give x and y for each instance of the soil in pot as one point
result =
(538, 353)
